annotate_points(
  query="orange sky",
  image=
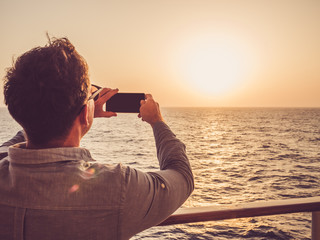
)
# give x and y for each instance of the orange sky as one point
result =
(186, 53)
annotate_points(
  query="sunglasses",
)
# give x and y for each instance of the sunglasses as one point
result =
(94, 95)
(95, 92)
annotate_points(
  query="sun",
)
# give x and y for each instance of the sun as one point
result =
(214, 66)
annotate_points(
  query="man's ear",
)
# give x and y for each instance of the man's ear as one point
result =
(84, 115)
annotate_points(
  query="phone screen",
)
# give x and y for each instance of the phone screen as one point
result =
(125, 102)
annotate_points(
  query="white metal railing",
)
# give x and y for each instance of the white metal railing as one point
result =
(213, 213)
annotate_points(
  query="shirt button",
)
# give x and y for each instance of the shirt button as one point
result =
(163, 186)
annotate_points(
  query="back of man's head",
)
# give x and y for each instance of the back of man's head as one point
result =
(45, 90)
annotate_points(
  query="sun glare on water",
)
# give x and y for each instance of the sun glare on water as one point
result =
(214, 66)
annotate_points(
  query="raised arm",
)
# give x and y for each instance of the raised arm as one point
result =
(152, 197)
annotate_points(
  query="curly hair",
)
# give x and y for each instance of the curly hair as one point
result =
(45, 89)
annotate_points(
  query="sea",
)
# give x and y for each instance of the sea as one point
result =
(238, 155)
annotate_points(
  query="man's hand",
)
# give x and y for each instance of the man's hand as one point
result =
(105, 95)
(150, 111)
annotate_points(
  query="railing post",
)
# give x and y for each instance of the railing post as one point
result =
(315, 225)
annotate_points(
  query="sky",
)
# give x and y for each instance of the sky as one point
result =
(196, 53)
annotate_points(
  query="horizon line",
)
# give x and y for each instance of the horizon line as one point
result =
(292, 107)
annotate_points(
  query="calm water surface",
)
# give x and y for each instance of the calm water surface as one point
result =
(238, 155)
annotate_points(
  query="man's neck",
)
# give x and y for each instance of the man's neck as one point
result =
(72, 139)
(52, 144)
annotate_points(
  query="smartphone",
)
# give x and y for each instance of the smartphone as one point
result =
(125, 102)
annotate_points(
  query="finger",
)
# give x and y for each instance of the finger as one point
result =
(106, 94)
(142, 102)
(110, 114)
(104, 91)
(105, 114)
(149, 96)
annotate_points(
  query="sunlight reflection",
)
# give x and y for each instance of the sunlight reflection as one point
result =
(74, 188)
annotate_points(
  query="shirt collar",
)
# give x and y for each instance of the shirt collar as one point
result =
(19, 154)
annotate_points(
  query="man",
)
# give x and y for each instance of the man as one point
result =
(51, 188)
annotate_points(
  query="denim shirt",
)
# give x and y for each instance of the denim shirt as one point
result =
(62, 193)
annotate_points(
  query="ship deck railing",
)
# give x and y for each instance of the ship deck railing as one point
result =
(253, 209)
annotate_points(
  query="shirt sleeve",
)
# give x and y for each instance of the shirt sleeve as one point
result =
(19, 137)
(151, 197)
